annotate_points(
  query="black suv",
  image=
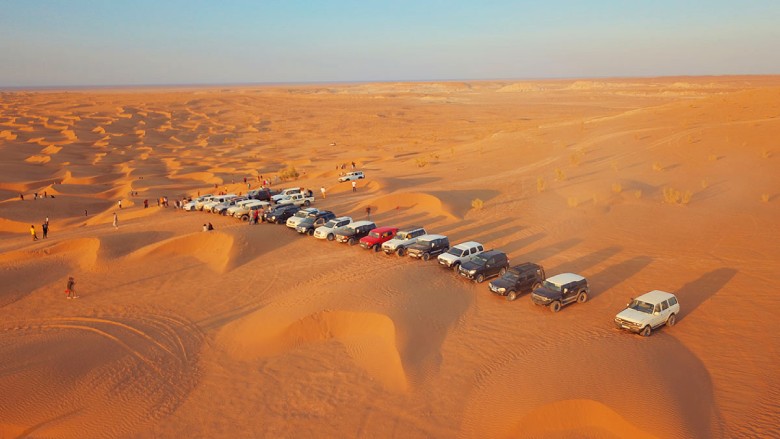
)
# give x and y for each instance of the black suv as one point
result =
(429, 245)
(311, 222)
(263, 194)
(561, 289)
(279, 214)
(486, 264)
(353, 232)
(523, 278)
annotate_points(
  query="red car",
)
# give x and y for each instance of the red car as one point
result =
(376, 237)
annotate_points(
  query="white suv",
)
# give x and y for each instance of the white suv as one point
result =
(328, 231)
(459, 254)
(649, 311)
(349, 176)
(284, 193)
(403, 239)
(293, 221)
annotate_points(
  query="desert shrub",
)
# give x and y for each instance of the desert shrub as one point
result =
(657, 167)
(712, 157)
(576, 158)
(435, 156)
(289, 173)
(573, 202)
(617, 188)
(540, 184)
(674, 196)
(704, 183)
(477, 204)
(421, 163)
(766, 153)
(765, 198)
(638, 194)
(559, 175)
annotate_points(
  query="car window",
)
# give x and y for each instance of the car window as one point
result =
(672, 301)
(657, 307)
(664, 305)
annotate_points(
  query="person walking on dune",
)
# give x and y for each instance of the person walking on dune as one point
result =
(322, 189)
(119, 203)
(45, 229)
(70, 288)
(116, 221)
(32, 232)
(354, 186)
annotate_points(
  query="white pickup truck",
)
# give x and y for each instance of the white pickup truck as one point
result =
(285, 193)
(298, 199)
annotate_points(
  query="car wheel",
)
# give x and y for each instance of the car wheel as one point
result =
(480, 278)
(311, 232)
(646, 331)
(455, 267)
(555, 306)
(400, 251)
(377, 248)
(502, 271)
(426, 256)
(330, 236)
(306, 203)
(352, 241)
(245, 218)
(583, 297)
(511, 296)
(671, 320)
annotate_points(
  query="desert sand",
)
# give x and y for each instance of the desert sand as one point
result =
(256, 331)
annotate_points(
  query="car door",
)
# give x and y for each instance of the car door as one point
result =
(663, 314)
(570, 293)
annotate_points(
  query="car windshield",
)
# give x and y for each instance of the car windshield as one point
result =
(301, 214)
(479, 260)
(331, 224)
(552, 286)
(374, 235)
(640, 306)
(456, 252)
(402, 235)
(511, 276)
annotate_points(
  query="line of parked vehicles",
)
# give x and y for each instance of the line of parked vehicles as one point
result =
(469, 259)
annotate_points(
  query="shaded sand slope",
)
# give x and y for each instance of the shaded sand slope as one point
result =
(658, 183)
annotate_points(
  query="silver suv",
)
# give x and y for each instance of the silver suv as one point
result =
(403, 239)
(459, 254)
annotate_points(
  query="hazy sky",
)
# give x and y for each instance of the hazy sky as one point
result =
(113, 42)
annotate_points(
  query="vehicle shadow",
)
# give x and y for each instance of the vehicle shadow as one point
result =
(465, 234)
(586, 261)
(616, 274)
(694, 293)
(495, 235)
(517, 244)
(548, 251)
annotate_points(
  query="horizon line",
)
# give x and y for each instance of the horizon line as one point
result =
(347, 82)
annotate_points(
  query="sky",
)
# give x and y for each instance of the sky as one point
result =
(142, 42)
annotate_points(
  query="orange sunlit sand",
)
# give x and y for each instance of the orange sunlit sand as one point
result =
(256, 331)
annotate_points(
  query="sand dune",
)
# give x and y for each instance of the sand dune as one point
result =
(257, 331)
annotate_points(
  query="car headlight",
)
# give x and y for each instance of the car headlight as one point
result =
(472, 272)
(501, 290)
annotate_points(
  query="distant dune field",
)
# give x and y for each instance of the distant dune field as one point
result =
(257, 331)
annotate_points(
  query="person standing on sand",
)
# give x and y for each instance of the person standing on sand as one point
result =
(32, 232)
(45, 228)
(70, 288)
(368, 212)
(116, 221)
(21, 197)
(354, 186)
(119, 203)
(322, 189)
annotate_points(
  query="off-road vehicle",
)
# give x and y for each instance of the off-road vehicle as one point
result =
(523, 278)
(429, 245)
(247, 210)
(352, 233)
(328, 230)
(377, 237)
(192, 205)
(649, 311)
(262, 194)
(485, 265)
(311, 222)
(279, 214)
(560, 290)
(349, 176)
(292, 222)
(403, 239)
(459, 254)
(285, 192)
